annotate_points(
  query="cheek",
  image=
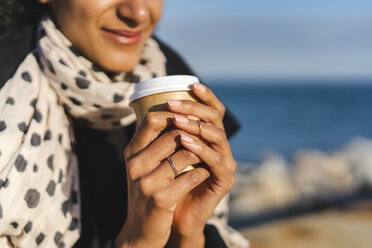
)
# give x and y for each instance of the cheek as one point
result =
(156, 9)
(78, 21)
(74, 17)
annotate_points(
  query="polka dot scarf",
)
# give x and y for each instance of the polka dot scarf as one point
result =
(39, 188)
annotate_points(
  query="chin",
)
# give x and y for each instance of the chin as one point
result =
(119, 63)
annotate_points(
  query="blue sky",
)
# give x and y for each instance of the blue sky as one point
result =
(271, 38)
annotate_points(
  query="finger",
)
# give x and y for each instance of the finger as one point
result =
(208, 97)
(181, 160)
(221, 170)
(152, 125)
(151, 157)
(194, 118)
(174, 191)
(213, 135)
(199, 110)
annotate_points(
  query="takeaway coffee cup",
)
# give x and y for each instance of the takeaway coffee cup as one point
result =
(152, 95)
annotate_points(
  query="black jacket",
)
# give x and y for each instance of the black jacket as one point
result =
(100, 153)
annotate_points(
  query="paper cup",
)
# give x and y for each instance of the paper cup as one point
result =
(152, 95)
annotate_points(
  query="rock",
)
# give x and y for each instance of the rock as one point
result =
(359, 155)
(267, 187)
(321, 176)
(314, 177)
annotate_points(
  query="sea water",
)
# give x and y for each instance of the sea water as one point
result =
(287, 117)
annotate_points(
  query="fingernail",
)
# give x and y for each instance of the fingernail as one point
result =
(174, 103)
(186, 139)
(181, 119)
(200, 87)
(194, 118)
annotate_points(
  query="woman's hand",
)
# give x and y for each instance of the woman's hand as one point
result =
(162, 208)
(210, 144)
(153, 190)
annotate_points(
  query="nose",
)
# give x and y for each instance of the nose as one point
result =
(134, 12)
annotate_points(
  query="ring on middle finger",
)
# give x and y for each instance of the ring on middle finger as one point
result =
(200, 127)
(170, 161)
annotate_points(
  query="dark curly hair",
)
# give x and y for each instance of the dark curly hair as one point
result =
(19, 12)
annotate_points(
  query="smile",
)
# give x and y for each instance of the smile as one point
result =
(123, 37)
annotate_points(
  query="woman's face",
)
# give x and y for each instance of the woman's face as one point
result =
(111, 33)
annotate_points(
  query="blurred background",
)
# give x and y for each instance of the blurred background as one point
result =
(296, 73)
(298, 76)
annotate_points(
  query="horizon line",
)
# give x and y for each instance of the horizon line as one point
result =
(290, 79)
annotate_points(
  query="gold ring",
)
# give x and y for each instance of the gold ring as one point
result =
(170, 161)
(200, 126)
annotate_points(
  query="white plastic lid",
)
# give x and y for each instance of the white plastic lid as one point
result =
(163, 84)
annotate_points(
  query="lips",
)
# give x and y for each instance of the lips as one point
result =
(123, 37)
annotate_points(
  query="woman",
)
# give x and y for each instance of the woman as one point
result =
(65, 122)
